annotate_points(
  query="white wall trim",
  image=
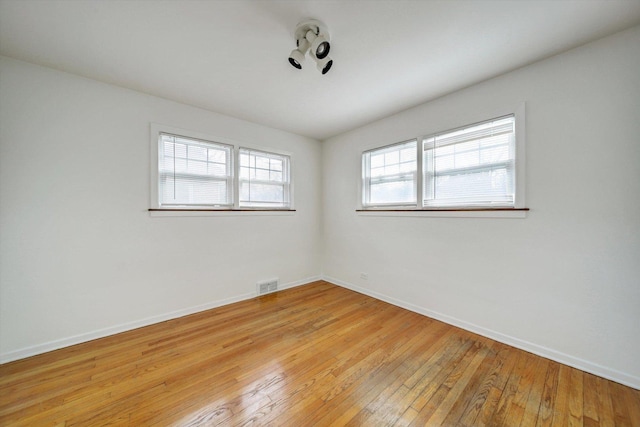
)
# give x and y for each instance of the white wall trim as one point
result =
(565, 359)
(101, 333)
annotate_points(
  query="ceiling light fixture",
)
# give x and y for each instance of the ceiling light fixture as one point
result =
(312, 36)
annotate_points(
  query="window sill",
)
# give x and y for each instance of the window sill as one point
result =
(448, 213)
(219, 212)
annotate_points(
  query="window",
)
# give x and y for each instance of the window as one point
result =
(473, 166)
(192, 172)
(264, 179)
(390, 175)
(476, 166)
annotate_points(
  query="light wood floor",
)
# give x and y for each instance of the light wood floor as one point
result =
(315, 355)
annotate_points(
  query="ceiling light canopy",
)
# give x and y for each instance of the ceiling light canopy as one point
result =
(312, 36)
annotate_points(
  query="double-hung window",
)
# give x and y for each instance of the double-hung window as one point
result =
(194, 172)
(390, 175)
(473, 167)
(264, 179)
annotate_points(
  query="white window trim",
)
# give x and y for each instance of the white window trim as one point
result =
(519, 209)
(156, 210)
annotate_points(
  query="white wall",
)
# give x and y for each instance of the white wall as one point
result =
(80, 255)
(563, 282)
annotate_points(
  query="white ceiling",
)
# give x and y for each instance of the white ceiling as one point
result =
(231, 56)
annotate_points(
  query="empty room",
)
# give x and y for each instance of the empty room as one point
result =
(320, 213)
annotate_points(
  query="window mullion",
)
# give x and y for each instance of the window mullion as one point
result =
(235, 179)
(419, 178)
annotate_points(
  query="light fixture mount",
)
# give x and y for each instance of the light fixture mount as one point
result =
(312, 36)
(307, 25)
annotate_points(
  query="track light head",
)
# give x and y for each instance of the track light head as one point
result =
(296, 58)
(320, 47)
(312, 35)
(324, 65)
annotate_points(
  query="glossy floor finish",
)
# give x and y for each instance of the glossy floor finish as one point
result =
(315, 355)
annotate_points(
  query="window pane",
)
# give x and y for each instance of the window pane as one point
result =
(393, 192)
(262, 174)
(262, 162)
(488, 184)
(392, 158)
(266, 193)
(197, 153)
(377, 160)
(392, 169)
(444, 162)
(408, 155)
(407, 167)
(275, 176)
(180, 150)
(179, 191)
(275, 164)
(217, 156)
(377, 172)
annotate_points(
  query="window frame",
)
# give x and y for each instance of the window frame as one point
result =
(156, 209)
(368, 178)
(286, 185)
(430, 183)
(227, 179)
(518, 210)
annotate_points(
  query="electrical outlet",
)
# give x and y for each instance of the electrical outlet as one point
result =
(364, 276)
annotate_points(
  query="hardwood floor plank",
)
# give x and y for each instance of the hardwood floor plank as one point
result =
(508, 393)
(514, 412)
(316, 355)
(534, 399)
(576, 398)
(475, 392)
(549, 393)
(487, 393)
(502, 370)
(632, 401)
(605, 405)
(591, 402)
(561, 411)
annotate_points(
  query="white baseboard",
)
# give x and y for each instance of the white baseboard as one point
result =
(565, 359)
(101, 333)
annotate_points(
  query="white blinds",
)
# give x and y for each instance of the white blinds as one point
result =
(390, 175)
(193, 172)
(264, 179)
(471, 166)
